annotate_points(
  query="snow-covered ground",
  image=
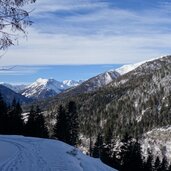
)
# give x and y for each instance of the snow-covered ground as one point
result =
(18, 153)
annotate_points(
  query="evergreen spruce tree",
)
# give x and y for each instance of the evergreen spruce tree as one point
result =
(157, 164)
(136, 161)
(98, 146)
(72, 122)
(107, 155)
(125, 151)
(41, 129)
(169, 168)
(3, 117)
(15, 118)
(19, 120)
(164, 164)
(30, 125)
(61, 131)
(148, 165)
(108, 135)
(130, 155)
(35, 125)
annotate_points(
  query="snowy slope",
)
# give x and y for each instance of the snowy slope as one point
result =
(100, 80)
(130, 67)
(32, 154)
(72, 83)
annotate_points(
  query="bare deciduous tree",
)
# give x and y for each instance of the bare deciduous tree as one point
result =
(13, 19)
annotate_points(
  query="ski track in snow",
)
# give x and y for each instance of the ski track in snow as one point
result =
(19, 153)
(27, 157)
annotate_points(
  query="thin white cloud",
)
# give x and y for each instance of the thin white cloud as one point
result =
(45, 6)
(104, 35)
(64, 49)
(20, 70)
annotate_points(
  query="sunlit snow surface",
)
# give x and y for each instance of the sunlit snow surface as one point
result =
(19, 153)
(127, 68)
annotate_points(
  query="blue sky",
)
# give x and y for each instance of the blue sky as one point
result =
(93, 32)
(28, 74)
(74, 32)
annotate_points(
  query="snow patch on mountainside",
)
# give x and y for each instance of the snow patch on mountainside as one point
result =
(109, 77)
(127, 68)
(34, 154)
(159, 141)
(101, 80)
(72, 83)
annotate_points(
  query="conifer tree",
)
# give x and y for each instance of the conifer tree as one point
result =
(148, 166)
(157, 164)
(108, 135)
(72, 122)
(130, 155)
(61, 131)
(15, 118)
(3, 116)
(135, 162)
(19, 119)
(106, 156)
(36, 125)
(97, 149)
(125, 151)
(164, 164)
(41, 129)
(30, 125)
(169, 168)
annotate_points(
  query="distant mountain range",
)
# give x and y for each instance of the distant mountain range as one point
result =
(100, 80)
(15, 88)
(42, 88)
(8, 95)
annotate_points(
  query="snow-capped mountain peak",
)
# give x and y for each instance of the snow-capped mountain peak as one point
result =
(72, 83)
(43, 88)
(42, 81)
(127, 68)
(49, 84)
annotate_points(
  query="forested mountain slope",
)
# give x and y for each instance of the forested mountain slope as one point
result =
(91, 84)
(135, 102)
